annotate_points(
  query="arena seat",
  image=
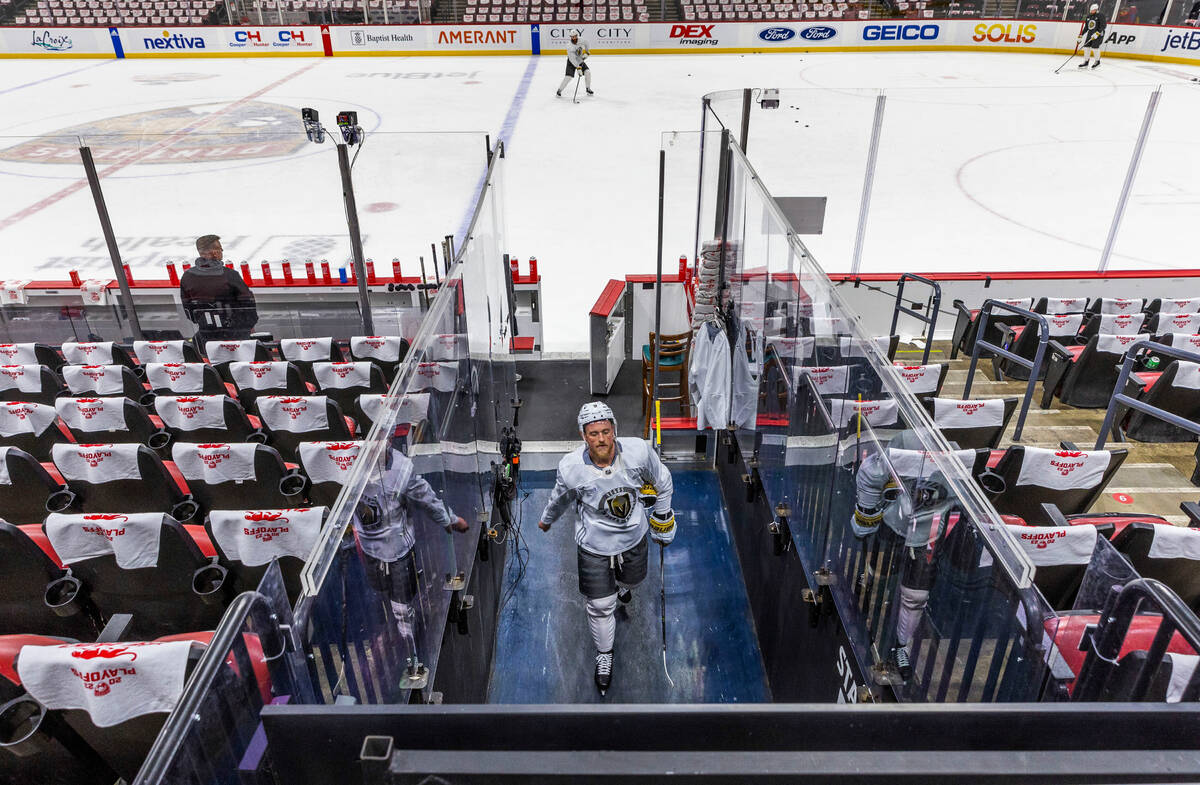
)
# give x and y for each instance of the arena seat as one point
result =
(1071, 635)
(1022, 340)
(413, 410)
(293, 419)
(971, 424)
(26, 488)
(1061, 305)
(158, 352)
(1176, 390)
(882, 413)
(344, 382)
(144, 564)
(1112, 324)
(327, 465)
(207, 418)
(1116, 305)
(122, 478)
(31, 354)
(1170, 305)
(97, 353)
(186, 379)
(108, 420)
(304, 352)
(32, 427)
(1188, 341)
(221, 353)
(1168, 554)
(386, 351)
(923, 381)
(31, 579)
(125, 711)
(233, 476)
(32, 383)
(248, 540)
(1166, 685)
(1084, 376)
(967, 324)
(1061, 555)
(255, 379)
(1028, 477)
(1113, 523)
(103, 380)
(1175, 323)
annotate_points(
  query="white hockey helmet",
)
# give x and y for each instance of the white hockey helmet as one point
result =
(595, 411)
(1094, 7)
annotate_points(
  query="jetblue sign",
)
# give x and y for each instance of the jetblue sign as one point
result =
(898, 32)
(774, 34)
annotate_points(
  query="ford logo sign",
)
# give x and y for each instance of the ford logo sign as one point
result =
(777, 34)
(818, 33)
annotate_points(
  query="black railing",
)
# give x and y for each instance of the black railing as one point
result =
(1034, 366)
(1120, 399)
(933, 304)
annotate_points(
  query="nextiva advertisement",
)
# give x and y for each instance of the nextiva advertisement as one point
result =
(223, 41)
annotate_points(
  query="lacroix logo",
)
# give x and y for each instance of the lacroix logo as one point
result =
(1043, 539)
(213, 455)
(93, 457)
(1067, 461)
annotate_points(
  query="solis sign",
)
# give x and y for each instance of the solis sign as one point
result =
(1005, 33)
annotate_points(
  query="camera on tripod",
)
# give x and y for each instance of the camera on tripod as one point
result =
(312, 125)
(352, 132)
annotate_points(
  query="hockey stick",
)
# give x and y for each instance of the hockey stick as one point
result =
(663, 581)
(1069, 59)
(578, 79)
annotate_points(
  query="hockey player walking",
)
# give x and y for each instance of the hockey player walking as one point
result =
(1091, 35)
(577, 54)
(603, 483)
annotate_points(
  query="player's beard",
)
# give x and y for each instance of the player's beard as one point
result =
(602, 453)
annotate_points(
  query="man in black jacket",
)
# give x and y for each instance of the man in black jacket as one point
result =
(215, 297)
(1091, 35)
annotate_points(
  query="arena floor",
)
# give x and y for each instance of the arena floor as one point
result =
(987, 161)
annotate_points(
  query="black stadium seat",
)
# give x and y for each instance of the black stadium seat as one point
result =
(29, 567)
(1024, 343)
(206, 418)
(184, 379)
(30, 354)
(923, 381)
(1170, 305)
(293, 419)
(327, 465)
(144, 564)
(108, 420)
(386, 351)
(32, 427)
(233, 476)
(1116, 305)
(26, 488)
(967, 324)
(254, 379)
(148, 352)
(103, 380)
(33, 383)
(1028, 477)
(1084, 376)
(97, 353)
(1061, 555)
(971, 424)
(248, 540)
(304, 352)
(1170, 554)
(122, 478)
(345, 381)
(1177, 391)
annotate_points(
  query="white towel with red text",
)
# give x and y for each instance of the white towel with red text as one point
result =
(215, 462)
(1063, 470)
(329, 461)
(96, 463)
(254, 537)
(132, 538)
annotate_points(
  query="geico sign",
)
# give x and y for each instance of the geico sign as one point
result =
(1004, 33)
(900, 32)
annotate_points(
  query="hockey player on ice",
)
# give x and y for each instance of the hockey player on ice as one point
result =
(577, 54)
(1091, 35)
(908, 515)
(602, 482)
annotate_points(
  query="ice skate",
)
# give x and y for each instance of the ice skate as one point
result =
(625, 596)
(589, 90)
(899, 658)
(604, 663)
(1084, 64)
(558, 93)
(1096, 64)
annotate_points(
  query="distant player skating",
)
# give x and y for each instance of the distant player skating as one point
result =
(577, 54)
(1091, 35)
(603, 482)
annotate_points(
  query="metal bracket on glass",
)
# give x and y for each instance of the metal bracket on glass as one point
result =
(883, 673)
(415, 676)
(455, 582)
(824, 577)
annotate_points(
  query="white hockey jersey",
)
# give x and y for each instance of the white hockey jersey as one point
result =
(609, 517)
(747, 364)
(389, 535)
(709, 376)
(577, 53)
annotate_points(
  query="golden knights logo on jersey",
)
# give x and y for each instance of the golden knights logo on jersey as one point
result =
(618, 503)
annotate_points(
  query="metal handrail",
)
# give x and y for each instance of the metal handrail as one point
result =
(930, 320)
(1119, 398)
(1109, 638)
(1033, 366)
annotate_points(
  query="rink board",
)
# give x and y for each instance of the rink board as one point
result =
(1146, 42)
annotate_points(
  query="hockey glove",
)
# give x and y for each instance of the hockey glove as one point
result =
(865, 521)
(662, 528)
(649, 495)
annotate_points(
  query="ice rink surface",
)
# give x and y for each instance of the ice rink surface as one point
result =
(987, 162)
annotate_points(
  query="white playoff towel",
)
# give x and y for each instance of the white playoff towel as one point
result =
(385, 348)
(854, 347)
(329, 461)
(1118, 344)
(18, 353)
(1190, 305)
(92, 414)
(829, 380)
(1189, 341)
(1063, 470)
(1121, 323)
(264, 375)
(176, 377)
(112, 682)
(342, 375)
(96, 463)
(1187, 376)
(414, 407)
(254, 537)
(1179, 323)
(920, 464)
(158, 351)
(449, 347)
(26, 378)
(1066, 304)
(1052, 546)
(1175, 542)
(99, 353)
(215, 463)
(191, 412)
(794, 348)
(877, 413)
(20, 417)
(435, 376)
(1061, 324)
(305, 349)
(952, 413)
(1121, 304)
(920, 378)
(99, 379)
(1182, 668)
(230, 351)
(5, 479)
(132, 538)
(297, 414)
